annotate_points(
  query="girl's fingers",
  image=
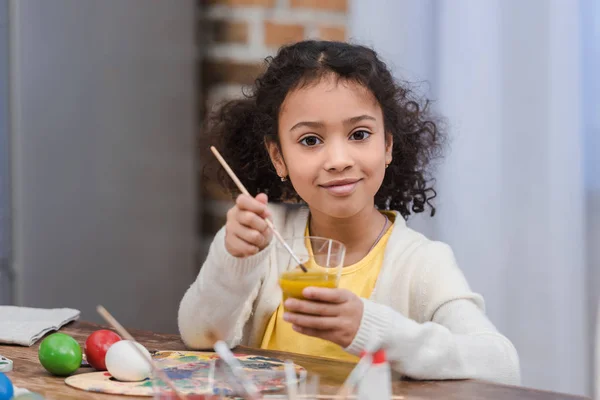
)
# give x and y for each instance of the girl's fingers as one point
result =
(238, 247)
(247, 232)
(261, 197)
(327, 295)
(252, 237)
(310, 321)
(251, 220)
(247, 203)
(312, 307)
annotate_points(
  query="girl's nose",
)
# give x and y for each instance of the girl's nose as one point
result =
(338, 156)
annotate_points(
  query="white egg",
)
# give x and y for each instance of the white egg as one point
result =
(125, 363)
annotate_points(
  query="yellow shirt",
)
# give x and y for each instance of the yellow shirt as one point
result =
(359, 278)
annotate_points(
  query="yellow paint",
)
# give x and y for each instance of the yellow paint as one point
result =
(293, 282)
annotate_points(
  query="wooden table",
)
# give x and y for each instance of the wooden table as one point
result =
(28, 373)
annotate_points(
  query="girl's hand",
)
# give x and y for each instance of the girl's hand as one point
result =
(330, 314)
(246, 232)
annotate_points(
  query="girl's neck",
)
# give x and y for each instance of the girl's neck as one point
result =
(358, 233)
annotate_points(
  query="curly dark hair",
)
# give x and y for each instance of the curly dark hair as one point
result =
(241, 127)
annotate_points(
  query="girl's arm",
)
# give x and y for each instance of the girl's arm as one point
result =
(448, 335)
(222, 296)
(459, 343)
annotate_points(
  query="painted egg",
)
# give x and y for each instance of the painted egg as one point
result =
(6, 387)
(60, 354)
(96, 346)
(125, 363)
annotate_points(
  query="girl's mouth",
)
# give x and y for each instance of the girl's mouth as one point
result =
(341, 187)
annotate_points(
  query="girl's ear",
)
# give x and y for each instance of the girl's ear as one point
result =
(389, 145)
(276, 157)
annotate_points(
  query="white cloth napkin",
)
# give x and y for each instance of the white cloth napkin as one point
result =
(25, 326)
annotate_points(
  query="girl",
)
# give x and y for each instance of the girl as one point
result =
(327, 127)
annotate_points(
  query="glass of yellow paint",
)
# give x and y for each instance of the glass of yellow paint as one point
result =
(322, 257)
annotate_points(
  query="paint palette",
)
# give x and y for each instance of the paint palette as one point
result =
(192, 373)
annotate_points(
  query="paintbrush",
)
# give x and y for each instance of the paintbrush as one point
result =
(123, 332)
(360, 369)
(355, 376)
(252, 392)
(291, 380)
(243, 189)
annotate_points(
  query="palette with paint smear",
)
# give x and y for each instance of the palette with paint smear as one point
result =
(193, 373)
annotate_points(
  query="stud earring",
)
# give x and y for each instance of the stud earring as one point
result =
(283, 179)
(387, 165)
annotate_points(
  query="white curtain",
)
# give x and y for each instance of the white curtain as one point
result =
(512, 200)
(591, 105)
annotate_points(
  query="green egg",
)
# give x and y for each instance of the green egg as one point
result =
(60, 354)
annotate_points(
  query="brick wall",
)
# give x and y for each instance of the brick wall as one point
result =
(236, 36)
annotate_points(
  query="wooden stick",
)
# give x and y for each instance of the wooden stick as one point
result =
(123, 332)
(243, 189)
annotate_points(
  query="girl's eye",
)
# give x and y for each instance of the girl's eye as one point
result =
(310, 141)
(359, 135)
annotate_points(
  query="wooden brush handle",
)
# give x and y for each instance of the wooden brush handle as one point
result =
(243, 189)
(123, 332)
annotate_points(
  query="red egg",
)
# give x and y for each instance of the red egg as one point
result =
(96, 346)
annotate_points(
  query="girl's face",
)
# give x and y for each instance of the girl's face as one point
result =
(333, 146)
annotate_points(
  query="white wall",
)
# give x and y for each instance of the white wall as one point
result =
(104, 128)
(5, 237)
